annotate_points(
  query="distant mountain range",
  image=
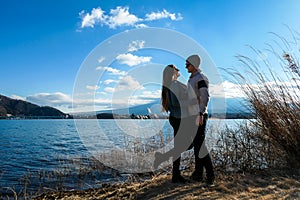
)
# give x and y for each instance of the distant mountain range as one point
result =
(229, 108)
(218, 107)
(19, 108)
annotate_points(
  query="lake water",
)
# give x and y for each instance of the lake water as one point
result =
(43, 147)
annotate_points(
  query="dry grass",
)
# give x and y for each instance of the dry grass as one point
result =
(271, 184)
(274, 97)
(242, 149)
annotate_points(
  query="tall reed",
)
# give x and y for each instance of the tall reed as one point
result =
(273, 92)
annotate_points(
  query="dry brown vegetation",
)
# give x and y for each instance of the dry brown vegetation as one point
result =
(274, 184)
(274, 97)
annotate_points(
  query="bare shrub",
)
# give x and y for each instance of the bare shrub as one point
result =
(242, 149)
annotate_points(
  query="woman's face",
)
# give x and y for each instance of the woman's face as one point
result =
(176, 74)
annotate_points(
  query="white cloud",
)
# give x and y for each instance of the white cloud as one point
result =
(109, 89)
(288, 87)
(132, 60)
(136, 45)
(226, 89)
(232, 90)
(101, 59)
(111, 70)
(120, 16)
(18, 97)
(95, 17)
(92, 87)
(128, 83)
(101, 93)
(136, 101)
(144, 97)
(156, 94)
(109, 81)
(91, 104)
(50, 99)
(163, 15)
(141, 26)
(88, 102)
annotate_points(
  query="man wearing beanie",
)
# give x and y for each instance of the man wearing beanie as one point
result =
(198, 86)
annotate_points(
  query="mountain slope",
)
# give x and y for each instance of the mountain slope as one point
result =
(15, 107)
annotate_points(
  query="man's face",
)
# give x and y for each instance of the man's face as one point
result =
(189, 67)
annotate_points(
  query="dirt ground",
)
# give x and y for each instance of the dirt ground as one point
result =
(272, 184)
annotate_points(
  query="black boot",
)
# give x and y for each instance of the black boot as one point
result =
(178, 179)
(209, 171)
(197, 175)
(210, 182)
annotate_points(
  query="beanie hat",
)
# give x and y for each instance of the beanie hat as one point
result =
(194, 60)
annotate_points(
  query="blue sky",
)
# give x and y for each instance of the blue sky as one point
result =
(44, 44)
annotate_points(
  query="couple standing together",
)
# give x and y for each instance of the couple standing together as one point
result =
(187, 107)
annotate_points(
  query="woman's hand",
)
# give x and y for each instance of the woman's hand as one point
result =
(199, 120)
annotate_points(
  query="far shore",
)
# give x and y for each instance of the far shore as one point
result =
(132, 116)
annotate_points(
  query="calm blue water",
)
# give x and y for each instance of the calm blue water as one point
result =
(36, 146)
